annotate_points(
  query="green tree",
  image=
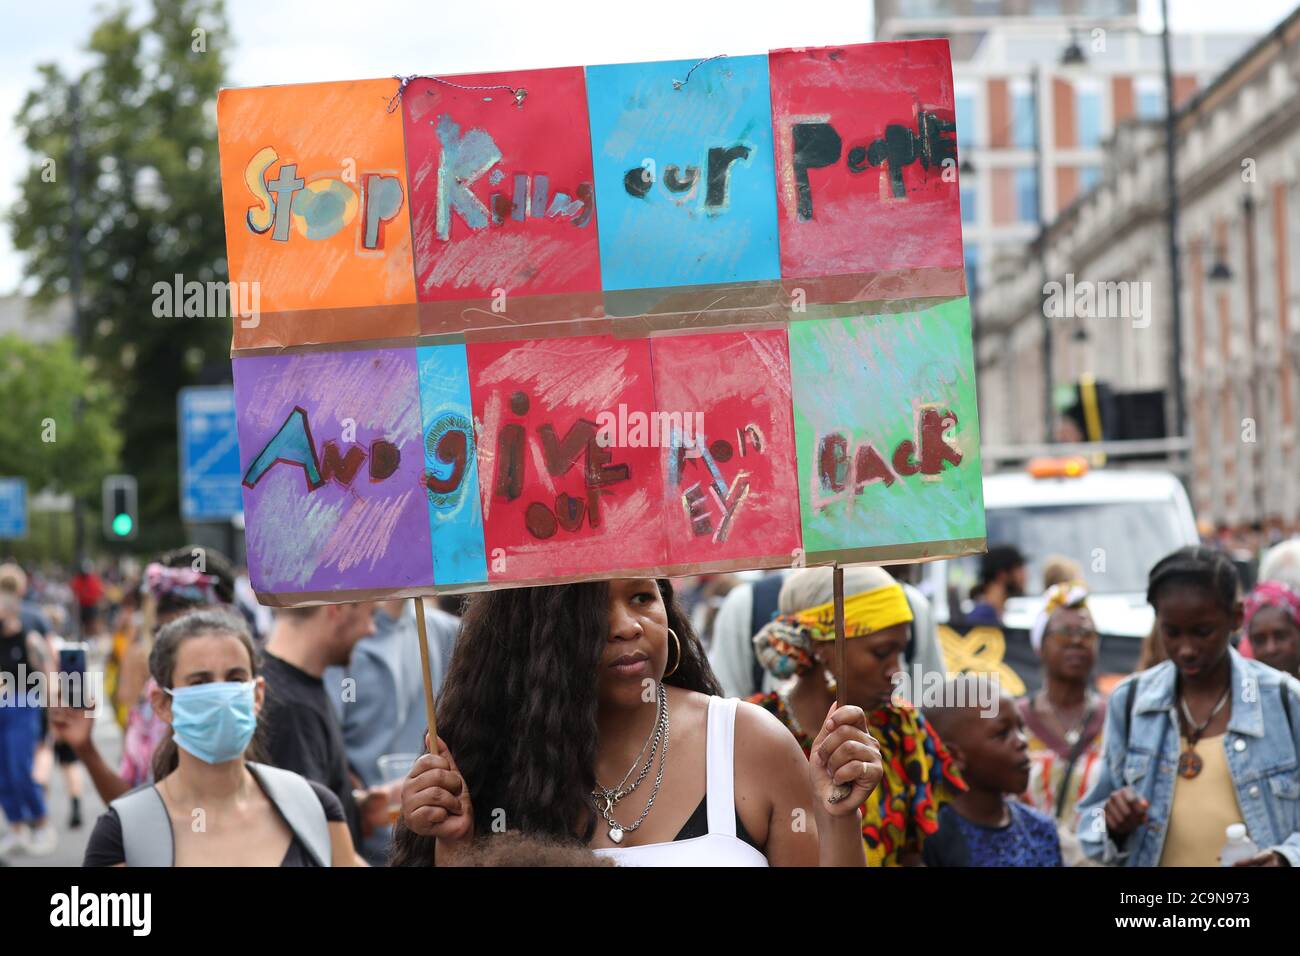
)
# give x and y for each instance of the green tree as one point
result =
(149, 208)
(42, 438)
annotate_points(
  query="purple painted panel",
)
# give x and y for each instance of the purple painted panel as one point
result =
(331, 452)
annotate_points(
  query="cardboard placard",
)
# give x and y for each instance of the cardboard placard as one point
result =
(579, 323)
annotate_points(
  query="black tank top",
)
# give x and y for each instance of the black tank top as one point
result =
(698, 826)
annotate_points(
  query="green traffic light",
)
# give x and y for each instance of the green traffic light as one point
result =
(122, 525)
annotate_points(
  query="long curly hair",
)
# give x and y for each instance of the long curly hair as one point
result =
(518, 708)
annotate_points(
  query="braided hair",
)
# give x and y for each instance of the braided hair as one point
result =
(518, 708)
(1205, 569)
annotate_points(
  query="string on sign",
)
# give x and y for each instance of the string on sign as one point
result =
(405, 81)
(678, 84)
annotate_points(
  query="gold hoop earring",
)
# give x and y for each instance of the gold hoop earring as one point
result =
(678, 642)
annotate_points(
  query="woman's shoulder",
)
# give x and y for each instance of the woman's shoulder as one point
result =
(329, 802)
(1268, 677)
(758, 732)
(763, 731)
(104, 848)
(684, 701)
(272, 780)
(1139, 681)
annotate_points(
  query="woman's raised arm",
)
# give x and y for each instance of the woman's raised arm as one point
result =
(804, 828)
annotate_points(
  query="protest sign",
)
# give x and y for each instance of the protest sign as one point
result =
(568, 324)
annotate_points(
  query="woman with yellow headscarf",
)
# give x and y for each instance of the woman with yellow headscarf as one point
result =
(919, 773)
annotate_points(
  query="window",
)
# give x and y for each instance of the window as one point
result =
(1022, 119)
(1104, 8)
(969, 207)
(1089, 176)
(1151, 102)
(1032, 48)
(924, 8)
(965, 103)
(1027, 195)
(1088, 113)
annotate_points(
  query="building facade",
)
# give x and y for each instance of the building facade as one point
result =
(1238, 171)
(1031, 129)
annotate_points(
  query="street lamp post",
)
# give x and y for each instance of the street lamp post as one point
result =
(1177, 426)
(1040, 242)
(74, 288)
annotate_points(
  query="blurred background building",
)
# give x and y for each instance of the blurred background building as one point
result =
(1094, 183)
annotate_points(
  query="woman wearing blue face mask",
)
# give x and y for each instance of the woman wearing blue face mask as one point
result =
(210, 805)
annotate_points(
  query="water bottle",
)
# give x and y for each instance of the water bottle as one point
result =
(1238, 847)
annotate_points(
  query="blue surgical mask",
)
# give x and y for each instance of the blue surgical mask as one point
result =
(214, 722)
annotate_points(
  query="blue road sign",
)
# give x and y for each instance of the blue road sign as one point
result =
(209, 453)
(13, 508)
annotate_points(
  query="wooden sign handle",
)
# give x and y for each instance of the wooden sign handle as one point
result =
(428, 677)
(842, 790)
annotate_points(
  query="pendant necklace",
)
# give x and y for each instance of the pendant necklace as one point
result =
(1072, 735)
(605, 799)
(612, 797)
(1189, 762)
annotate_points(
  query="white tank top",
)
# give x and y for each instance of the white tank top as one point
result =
(720, 846)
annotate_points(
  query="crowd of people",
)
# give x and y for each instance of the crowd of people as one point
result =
(706, 721)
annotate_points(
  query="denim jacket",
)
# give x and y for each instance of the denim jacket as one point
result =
(1261, 745)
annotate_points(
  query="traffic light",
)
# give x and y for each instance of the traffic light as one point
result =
(121, 508)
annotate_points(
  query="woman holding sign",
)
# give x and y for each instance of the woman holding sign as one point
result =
(588, 713)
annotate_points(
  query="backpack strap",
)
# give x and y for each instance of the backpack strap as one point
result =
(147, 838)
(300, 807)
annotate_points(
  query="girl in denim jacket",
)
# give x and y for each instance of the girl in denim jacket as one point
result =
(1206, 739)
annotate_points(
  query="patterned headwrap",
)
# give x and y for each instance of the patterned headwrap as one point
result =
(1069, 594)
(1272, 594)
(864, 614)
(180, 585)
(784, 646)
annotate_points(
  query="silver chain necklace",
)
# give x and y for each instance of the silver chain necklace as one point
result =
(617, 830)
(656, 732)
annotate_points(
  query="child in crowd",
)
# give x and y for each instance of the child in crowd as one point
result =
(987, 825)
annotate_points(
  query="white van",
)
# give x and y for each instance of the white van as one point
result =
(1115, 524)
